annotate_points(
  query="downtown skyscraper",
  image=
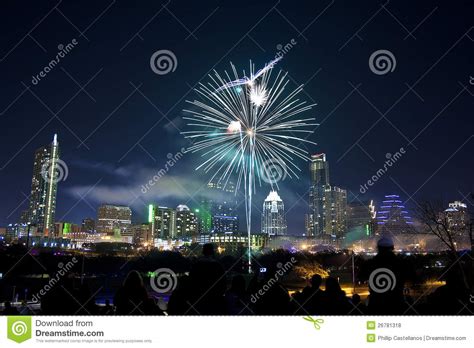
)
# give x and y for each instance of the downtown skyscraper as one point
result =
(327, 216)
(393, 217)
(217, 212)
(186, 222)
(273, 215)
(168, 223)
(319, 176)
(335, 210)
(44, 185)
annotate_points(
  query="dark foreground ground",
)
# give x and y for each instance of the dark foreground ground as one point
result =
(51, 282)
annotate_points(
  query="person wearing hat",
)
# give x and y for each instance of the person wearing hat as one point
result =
(386, 275)
(386, 242)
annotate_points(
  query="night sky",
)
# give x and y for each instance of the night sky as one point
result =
(117, 120)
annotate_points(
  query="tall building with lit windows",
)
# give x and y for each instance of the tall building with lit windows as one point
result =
(327, 218)
(162, 221)
(319, 176)
(393, 217)
(458, 217)
(186, 224)
(141, 234)
(44, 186)
(88, 225)
(361, 219)
(168, 223)
(217, 212)
(335, 212)
(114, 220)
(273, 215)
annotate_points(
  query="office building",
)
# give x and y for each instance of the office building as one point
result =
(88, 225)
(273, 215)
(114, 220)
(218, 210)
(458, 217)
(141, 234)
(16, 231)
(163, 222)
(186, 222)
(327, 216)
(335, 212)
(319, 176)
(393, 218)
(360, 219)
(234, 243)
(68, 230)
(44, 185)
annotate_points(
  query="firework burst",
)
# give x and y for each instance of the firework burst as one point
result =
(242, 124)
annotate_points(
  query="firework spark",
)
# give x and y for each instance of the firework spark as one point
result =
(249, 81)
(239, 127)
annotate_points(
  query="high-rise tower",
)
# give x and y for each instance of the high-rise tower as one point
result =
(335, 212)
(319, 172)
(217, 212)
(273, 215)
(44, 188)
(186, 222)
(392, 217)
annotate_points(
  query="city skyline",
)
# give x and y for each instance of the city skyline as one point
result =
(220, 204)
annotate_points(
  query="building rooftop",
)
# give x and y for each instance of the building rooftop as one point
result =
(272, 197)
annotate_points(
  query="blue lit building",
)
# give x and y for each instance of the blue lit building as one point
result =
(393, 217)
(218, 210)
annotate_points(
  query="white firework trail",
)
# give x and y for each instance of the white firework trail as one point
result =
(241, 123)
(253, 77)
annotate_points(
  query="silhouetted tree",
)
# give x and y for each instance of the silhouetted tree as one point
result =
(437, 221)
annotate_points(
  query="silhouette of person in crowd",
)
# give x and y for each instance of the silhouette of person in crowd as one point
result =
(269, 296)
(236, 297)
(132, 298)
(358, 307)
(451, 298)
(178, 303)
(310, 300)
(335, 301)
(208, 285)
(387, 275)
